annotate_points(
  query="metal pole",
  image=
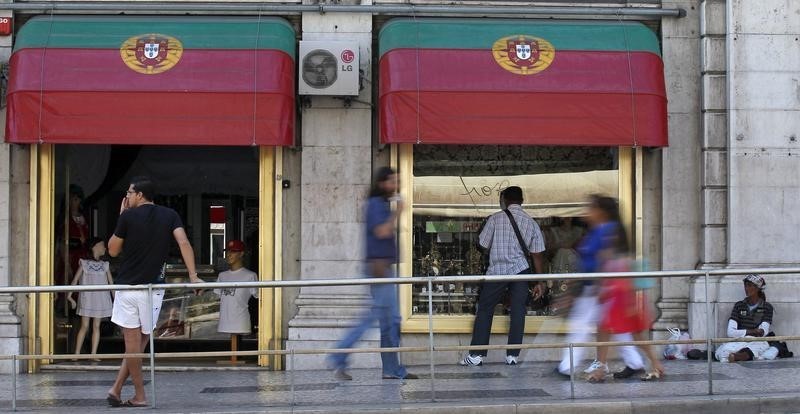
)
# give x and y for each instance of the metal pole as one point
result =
(430, 338)
(571, 373)
(13, 382)
(708, 341)
(404, 9)
(291, 377)
(152, 350)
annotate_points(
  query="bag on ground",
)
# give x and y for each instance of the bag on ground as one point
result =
(676, 351)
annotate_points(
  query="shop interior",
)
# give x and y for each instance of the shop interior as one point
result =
(455, 188)
(215, 192)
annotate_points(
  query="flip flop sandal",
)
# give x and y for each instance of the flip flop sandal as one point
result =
(113, 401)
(653, 376)
(129, 403)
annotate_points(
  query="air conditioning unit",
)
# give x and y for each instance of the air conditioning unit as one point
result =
(328, 68)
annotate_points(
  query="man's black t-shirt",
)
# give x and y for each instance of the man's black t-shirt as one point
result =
(147, 234)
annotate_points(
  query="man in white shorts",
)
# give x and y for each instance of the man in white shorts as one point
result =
(130, 309)
(146, 231)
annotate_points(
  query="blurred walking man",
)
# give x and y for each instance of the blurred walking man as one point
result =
(381, 256)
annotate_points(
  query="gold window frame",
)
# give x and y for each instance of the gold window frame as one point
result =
(40, 336)
(402, 160)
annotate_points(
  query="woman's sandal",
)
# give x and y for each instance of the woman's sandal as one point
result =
(596, 376)
(653, 375)
(130, 403)
(113, 400)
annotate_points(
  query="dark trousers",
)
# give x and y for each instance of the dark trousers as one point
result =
(491, 293)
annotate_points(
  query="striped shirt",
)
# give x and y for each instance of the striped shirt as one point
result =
(506, 257)
(759, 317)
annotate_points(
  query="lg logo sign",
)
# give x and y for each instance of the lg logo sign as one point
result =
(347, 57)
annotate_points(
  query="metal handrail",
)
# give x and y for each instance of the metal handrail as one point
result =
(401, 349)
(404, 280)
(429, 280)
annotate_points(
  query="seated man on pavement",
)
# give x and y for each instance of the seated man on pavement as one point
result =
(750, 317)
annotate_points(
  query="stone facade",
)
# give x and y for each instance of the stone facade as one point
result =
(724, 194)
(750, 184)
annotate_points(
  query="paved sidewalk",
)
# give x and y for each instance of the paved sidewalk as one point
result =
(528, 387)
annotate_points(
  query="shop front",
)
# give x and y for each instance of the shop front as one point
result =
(563, 109)
(202, 105)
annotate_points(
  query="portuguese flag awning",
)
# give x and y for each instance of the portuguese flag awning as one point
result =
(531, 82)
(152, 80)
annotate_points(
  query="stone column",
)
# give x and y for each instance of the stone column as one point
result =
(681, 161)
(715, 131)
(335, 178)
(10, 332)
(715, 167)
(10, 337)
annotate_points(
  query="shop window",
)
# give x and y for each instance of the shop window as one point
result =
(215, 191)
(456, 187)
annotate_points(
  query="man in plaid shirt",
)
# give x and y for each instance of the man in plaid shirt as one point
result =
(506, 257)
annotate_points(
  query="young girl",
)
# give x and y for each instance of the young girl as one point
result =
(624, 310)
(93, 305)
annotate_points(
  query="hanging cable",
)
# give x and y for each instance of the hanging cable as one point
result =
(416, 49)
(41, 77)
(255, 79)
(630, 80)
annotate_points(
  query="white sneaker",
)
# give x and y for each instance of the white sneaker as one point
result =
(511, 360)
(595, 366)
(471, 360)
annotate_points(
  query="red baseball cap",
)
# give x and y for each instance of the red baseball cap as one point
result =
(235, 246)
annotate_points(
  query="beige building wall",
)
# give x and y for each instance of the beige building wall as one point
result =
(724, 194)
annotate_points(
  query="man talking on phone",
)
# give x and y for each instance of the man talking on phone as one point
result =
(142, 237)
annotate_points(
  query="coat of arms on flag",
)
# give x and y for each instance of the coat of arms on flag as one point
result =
(151, 53)
(522, 54)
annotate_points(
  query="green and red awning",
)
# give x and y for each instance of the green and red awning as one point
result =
(152, 80)
(532, 82)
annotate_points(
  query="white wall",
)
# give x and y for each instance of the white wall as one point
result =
(765, 133)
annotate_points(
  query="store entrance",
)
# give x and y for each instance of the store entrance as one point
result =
(215, 190)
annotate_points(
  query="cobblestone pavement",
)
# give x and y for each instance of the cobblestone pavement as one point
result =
(762, 386)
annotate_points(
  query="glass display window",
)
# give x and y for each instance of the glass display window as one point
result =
(453, 189)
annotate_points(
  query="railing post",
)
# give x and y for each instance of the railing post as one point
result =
(708, 340)
(291, 376)
(430, 338)
(152, 350)
(571, 373)
(13, 382)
